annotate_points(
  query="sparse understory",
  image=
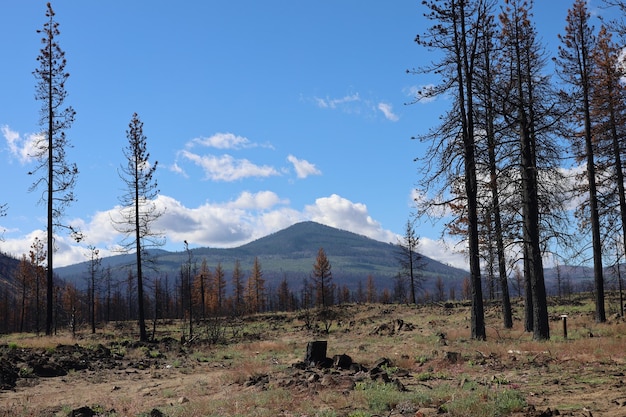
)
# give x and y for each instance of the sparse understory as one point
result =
(401, 361)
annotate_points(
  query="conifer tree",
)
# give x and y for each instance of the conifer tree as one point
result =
(410, 260)
(139, 211)
(575, 63)
(93, 270)
(452, 145)
(255, 289)
(529, 110)
(322, 277)
(238, 288)
(608, 110)
(219, 284)
(60, 176)
(203, 287)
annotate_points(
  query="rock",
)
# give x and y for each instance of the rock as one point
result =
(155, 412)
(378, 373)
(82, 412)
(342, 361)
(48, 370)
(398, 324)
(399, 385)
(313, 378)
(328, 381)
(382, 362)
(8, 375)
(183, 400)
(259, 381)
(427, 412)
(452, 357)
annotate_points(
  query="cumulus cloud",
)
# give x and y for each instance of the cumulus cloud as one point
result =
(262, 200)
(303, 168)
(342, 213)
(247, 217)
(66, 252)
(387, 110)
(227, 168)
(226, 224)
(21, 148)
(442, 252)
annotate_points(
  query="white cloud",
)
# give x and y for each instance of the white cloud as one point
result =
(226, 168)
(303, 168)
(387, 110)
(178, 169)
(262, 200)
(67, 251)
(333, 103)
(422, 93)
(227, 224)
(442, 252)
(248, 217)
(22, 148)
(438, 210)
(223, 141)
(342, 213)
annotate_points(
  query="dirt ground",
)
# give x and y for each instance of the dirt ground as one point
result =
(586, 377)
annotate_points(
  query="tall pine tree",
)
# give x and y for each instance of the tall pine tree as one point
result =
(60, 175)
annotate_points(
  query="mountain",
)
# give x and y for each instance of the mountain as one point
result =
(8, 266)
(290, 254)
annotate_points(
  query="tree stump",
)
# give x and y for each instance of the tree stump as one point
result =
(316, 352)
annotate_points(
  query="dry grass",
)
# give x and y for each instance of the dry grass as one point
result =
(31, 340)
(492, 377)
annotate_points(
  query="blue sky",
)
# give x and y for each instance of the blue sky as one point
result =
(261, 114)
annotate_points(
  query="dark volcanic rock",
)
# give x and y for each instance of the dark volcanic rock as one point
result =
(8, 375)
(19, 363)
(48, 370)
(82, 412)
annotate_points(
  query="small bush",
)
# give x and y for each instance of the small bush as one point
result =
(380, 397)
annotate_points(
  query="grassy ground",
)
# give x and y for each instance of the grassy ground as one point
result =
(434, 368)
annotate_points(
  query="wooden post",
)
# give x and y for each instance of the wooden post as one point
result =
(564, 320)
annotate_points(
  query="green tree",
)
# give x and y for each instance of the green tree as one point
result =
(139, 210)
(50, 150)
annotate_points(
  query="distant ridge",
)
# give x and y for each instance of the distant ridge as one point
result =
(290, 254)
(8, 266)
